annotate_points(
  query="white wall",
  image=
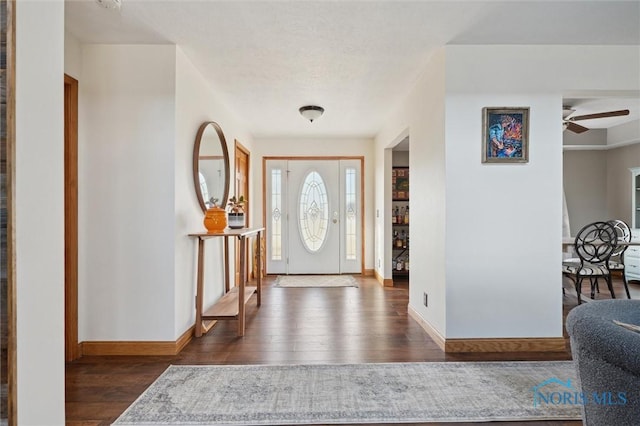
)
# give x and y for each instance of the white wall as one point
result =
(140, 109)
(39, 209)
(504, 222)
(618, 180)
(493, 271)
(292, 147)
(126, 161)
(596, 176)
(570, 70)
(72, 56)
(598, 184)
(400, 159)
(423, 115)
(624, 134)
(594, 137)
(585, 186)
(613, 137)
(196, 103)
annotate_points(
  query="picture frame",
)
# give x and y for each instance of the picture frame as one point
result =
(400, 184)
(505, 134)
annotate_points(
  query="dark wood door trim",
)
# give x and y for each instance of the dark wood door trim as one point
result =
(8, 35)
(238, 152)
(72, 349)
(241, 150)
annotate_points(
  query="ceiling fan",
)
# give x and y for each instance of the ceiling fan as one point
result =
(568, 122)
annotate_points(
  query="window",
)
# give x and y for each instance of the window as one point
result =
(350, 233)
(314, 212)
(276, 214)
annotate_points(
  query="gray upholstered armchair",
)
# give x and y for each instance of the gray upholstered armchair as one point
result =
(607, 359)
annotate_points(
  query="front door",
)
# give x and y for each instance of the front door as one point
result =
(315, 216)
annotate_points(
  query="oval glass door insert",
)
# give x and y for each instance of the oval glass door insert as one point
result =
(313, 212)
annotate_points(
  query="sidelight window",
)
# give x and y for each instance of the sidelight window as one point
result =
(276, 214)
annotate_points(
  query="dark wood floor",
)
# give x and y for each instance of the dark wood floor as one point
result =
(294, 325)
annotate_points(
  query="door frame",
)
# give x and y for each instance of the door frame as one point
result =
(72, 348)
(10, 303)
(314, 158)
(241, 150)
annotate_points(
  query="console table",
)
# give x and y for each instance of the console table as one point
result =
(232, 304)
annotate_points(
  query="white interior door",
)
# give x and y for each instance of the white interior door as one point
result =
(314, 217)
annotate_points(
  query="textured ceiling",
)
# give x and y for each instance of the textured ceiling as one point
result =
(357, 59)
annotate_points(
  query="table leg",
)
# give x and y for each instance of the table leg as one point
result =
(259, 269)
(199, 288)
(226, 265)
(241, 309)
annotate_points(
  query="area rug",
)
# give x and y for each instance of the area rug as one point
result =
(355, 393)
(315, 281)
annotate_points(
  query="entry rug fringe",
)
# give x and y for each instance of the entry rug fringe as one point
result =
(356, 393)
(315, 281)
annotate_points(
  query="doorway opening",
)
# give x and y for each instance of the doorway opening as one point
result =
(400, 217)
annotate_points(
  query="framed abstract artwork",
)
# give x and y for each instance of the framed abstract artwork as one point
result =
(505, 135)
(400, 183)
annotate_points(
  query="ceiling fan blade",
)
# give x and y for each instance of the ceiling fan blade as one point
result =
(600, 115)
(575, 128)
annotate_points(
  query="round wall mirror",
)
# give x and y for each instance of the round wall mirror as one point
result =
(211, 166)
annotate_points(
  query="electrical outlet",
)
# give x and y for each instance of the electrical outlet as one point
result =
(426, 300)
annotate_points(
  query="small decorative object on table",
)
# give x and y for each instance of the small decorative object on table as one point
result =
(215, 219)
(236, 212)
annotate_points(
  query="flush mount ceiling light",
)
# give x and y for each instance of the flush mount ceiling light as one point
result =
(110, 4)
(311, 112)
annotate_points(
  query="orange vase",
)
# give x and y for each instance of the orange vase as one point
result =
(215, 219)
